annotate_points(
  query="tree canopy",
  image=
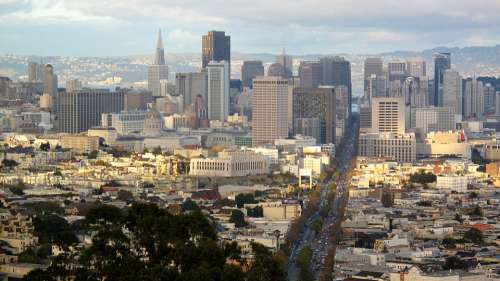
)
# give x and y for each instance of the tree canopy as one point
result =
(145, 242)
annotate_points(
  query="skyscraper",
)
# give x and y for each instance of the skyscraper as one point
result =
(50, 80)
(36, 72)
(311, 74)
(336, 71)
(416, 67)
(190, 85)
(377, 86)
(216, 46)
(286, 62)
(388, 115)
(397, 70)
(250, 70)
(442, 62)
(316, 103)
(270, 109)
(158, 71)
(218, 90)
(452, 90)
(473, 98)
(372, 66)
(489, 98)
(73, 85)
(79, 111)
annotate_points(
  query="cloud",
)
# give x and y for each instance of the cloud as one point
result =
(259, 25)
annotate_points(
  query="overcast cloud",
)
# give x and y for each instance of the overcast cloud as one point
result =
(125, 27)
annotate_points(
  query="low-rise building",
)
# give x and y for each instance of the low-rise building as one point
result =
(230, 164)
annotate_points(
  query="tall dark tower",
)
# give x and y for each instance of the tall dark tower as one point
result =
(442, 62)
(216, 46)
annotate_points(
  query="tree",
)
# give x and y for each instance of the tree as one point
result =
(256, 212)
(244, 198)
(149, 243)
(455, 262)
(9, 163)
(17, 189)
(124, 195)
(238, 218)
(54, 229)
(265, 267)
(190, 205)
(473, 195)
(303, 262)
(476, 211)
(157, 150)
(317, 225)
(474, 235)
(45, 146)
(93, 154)
(225, 202)
(423, 177)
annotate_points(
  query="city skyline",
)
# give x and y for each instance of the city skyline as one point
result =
(338, 27)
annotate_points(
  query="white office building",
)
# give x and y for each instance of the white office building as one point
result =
(218, 90)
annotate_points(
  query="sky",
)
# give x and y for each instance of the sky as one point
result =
(129, 27)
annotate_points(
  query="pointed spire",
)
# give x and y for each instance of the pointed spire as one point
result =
(160, 53)
(159, 42)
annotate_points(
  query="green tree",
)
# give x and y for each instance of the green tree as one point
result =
(45, 146)
(238, 218)
(455, 262)
(423, 177)
(124, 195)
(54, 229)
(157, 150)
(244, 198)
(265, 267)
(9, 163)
(474, 235)
(256, 212)
(304, 262)
(317, 225)
(190, 205)
(93, 154)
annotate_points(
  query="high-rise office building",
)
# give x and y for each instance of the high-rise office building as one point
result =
(250, 70)
(489, 98)
(36, 72)
(190, 85)
(73, 85)
(311, 74)
(158, 71)
(452, 90)
(473, 98)
(216, 46)
(286, 62)
(434, 119)
(388, 115)
(270, 109)
(218, 90)
(79, 111)
(337, 72)
(276, 69)
(442, 62)
(415, 91)
(316, 103)
(372, 66)
(397, 70)
(377, 86)
(416, 67)
(50, 80)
